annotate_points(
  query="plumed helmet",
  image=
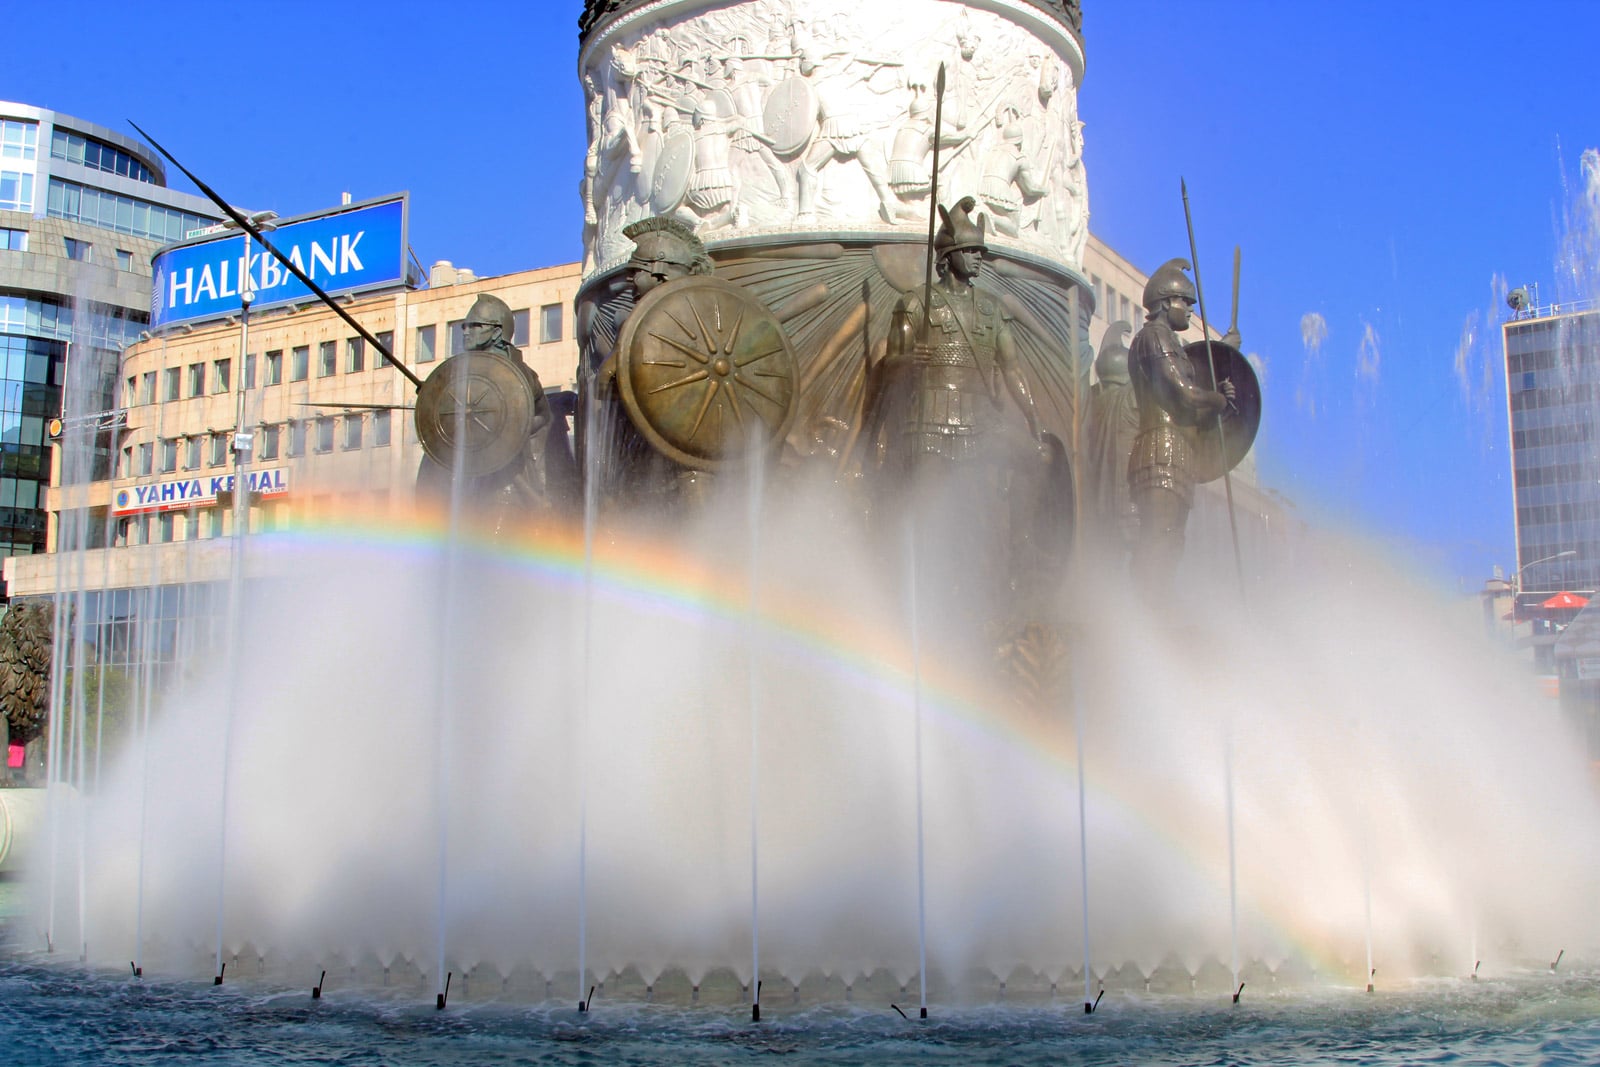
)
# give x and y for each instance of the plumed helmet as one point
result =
(493, 310)
(957, 230)
(660, 239)
(1111, 365)
(1169, 280)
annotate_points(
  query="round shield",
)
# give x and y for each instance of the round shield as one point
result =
(790, 114)
(704, 371)
(1239, 422)
(477, 404)
(674, 165)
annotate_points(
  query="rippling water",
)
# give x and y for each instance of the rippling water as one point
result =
(52, 1014)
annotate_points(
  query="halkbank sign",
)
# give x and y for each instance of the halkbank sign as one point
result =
(345, 250)
(194, 492)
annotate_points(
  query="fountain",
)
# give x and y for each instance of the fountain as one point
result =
(734, 743)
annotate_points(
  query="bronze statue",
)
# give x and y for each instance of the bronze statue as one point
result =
(483, 415)
(950, 354)
(1161, 474)
(1112, 424)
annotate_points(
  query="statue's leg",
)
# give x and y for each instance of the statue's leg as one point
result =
(807, 175)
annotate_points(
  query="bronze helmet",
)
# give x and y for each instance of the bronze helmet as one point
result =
(1111, 365)
(660, 239)
(1169, 280)
(495, 312)
(957, 231)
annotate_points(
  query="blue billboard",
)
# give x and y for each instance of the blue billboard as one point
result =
(349, 249)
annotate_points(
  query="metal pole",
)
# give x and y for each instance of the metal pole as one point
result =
(933, 203)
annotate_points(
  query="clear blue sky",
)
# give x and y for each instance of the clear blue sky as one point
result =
(1380, 164)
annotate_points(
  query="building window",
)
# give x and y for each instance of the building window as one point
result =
(197, 379)
(169, 455)
(325, 433)
(192, 459)
(249, 371)
(352, 432)
(214, 521)
(166, 523)
(124, 259)
(386, 344)
(147, 388)
(124, 214)
(355, 355)
(100, 156)
(82, 251)
(519, 328)
(131, 395)
(223, 371)
(549, 323)
(425, 353)
(380, 429)
(127, 461)
(13, 240)
(171, 381)
(18, 140)
(16, 190)
(146, 457)
(297, 437)
(328, 359)
(300, 366)
(219, 449)
(275, 367)
(268, 437)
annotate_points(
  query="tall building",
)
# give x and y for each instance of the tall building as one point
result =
(82, 210)
(1552, 383)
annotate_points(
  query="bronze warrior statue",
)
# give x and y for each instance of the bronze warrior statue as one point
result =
(937, 393)
(512, 452)
(1161, 466)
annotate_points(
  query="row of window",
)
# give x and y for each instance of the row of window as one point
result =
(100, 156)
(1555, 474)
(83, 252)
(1574, 511)
(268, 442)
(141, 389)
(79, 203)
(201, 523)
(1576, 393)
(103, 325)
(1110, 304)
(1563, 434)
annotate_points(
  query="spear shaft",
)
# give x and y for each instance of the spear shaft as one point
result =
(933, 204)
(1211, 359)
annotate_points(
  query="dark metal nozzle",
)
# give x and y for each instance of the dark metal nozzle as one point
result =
(444, 998)
(1238, 993)
(316, 990)
(220, 972)
(903, 1015)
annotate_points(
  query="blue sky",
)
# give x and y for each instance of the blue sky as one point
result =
(1379, 164)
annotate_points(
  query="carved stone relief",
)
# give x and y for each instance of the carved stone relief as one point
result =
(816, 116)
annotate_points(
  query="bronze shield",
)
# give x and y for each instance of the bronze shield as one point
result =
(1239, 422)
(703, 368)
(790, 114)
(480, 404)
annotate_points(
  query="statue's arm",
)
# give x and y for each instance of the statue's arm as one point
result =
(1005, 351)
(1181, 392)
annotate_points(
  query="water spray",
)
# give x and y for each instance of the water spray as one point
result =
(316, 990)
(443, 997)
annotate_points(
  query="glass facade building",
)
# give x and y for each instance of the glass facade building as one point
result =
(82, 210)
(1552, 384)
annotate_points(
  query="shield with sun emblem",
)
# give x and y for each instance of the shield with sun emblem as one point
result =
(705, 372)
(475, 409)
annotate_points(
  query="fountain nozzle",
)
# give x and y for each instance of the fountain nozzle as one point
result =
(316, 990)
(1557, 960)
(903, 1015)
(444, 998)
(1370, 977)
(1088, 1008)
(1238, 993)
(583, 1005)
(220, 972)
(1475, 965)
(138, 971)
(755, 1005)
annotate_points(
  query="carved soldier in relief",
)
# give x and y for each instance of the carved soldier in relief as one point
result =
(1161, 473)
